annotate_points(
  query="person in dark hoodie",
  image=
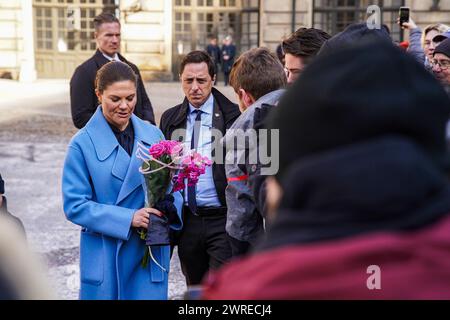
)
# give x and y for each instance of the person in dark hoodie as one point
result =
(364, 183)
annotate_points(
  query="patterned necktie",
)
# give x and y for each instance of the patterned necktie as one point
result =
(192, 202)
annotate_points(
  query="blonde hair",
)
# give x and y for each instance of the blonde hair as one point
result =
(439, 27)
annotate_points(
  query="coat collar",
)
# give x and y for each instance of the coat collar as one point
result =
(133, 177)
(227, 110)
(101, 135)
(103, 138)
(124, 168)
(101, 60)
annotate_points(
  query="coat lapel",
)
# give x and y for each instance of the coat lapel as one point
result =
(179, 121)
(105, 143)
(218, 124)
(133, 177)
(100, 59)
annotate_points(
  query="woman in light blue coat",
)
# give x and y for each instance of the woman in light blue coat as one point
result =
(102, 192)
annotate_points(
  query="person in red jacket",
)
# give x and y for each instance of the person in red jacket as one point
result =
(364, 205)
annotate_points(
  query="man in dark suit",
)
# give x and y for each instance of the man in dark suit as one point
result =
(83, 100)
(228, 56)
(203, 243)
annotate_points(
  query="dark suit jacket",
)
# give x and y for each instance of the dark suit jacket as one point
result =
(227, 111)
(84, 102)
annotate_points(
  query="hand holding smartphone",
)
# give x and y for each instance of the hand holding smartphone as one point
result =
(403, 15)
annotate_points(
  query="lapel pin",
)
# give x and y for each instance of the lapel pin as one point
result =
(217, 115)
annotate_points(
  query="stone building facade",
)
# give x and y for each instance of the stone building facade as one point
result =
(49, 38)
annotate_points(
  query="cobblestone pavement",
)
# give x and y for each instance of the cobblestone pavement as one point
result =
(35, 127)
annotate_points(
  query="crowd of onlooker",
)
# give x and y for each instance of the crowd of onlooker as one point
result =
(358, 125)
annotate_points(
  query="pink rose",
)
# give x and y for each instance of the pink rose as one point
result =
(170, 144)
(157, 150)
(176, 150)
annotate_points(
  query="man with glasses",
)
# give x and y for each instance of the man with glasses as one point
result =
(441, 63)
(300, 48)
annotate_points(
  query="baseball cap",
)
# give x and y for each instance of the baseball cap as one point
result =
(441, 37)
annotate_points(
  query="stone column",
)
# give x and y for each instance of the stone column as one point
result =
(309, 19)
(167, 21)
(27, 63)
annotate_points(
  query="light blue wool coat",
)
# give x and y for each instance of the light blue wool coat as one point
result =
(102, 189)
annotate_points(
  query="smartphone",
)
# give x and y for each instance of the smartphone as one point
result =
(404, 15)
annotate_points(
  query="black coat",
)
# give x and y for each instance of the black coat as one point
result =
(227, 111)
(84, 102)
(214, 52)
(231, 52)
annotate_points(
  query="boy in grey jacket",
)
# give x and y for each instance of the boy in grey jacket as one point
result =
(258, 78)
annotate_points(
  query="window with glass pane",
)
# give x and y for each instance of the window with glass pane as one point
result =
(334, 16)
(57, 25)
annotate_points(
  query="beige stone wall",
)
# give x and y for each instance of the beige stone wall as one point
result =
(423, 16)
(147, 30)
(146, 37)
(276, 19)
(11, 39)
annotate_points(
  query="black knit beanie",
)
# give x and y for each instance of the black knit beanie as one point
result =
(443, 47)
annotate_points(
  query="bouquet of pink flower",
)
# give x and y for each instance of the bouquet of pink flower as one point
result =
(166, 163)
(191, 166)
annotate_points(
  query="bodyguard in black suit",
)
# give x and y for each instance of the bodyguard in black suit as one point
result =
(83, 100)
(203, 242)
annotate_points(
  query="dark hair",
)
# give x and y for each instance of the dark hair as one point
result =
(257, 71)
(198, 57)
(280, 54)
(104, 17)
(305, 42)
(112, 72)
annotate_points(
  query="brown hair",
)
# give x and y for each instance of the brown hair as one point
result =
(305, 43)
(257, 71)
(198, 57)
(112, 72)
(104, 17)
